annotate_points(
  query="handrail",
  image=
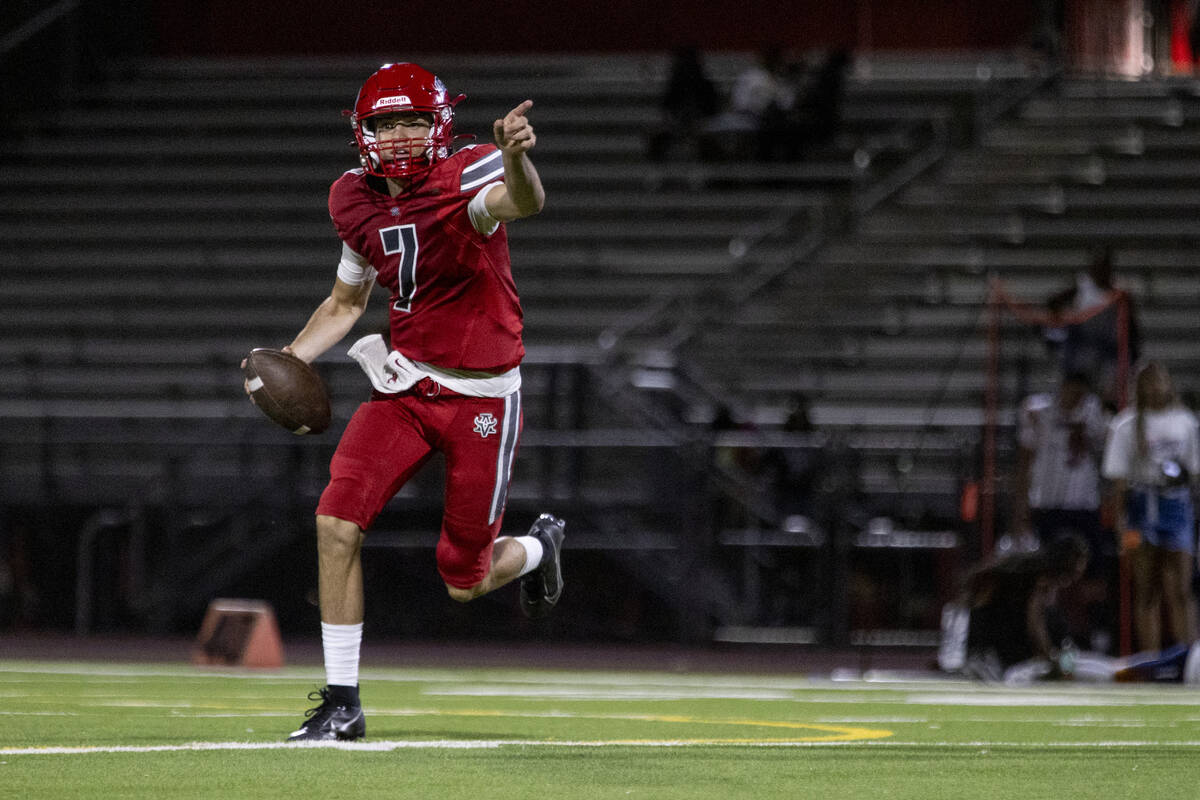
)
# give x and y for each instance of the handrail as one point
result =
(906, 173)
(659, 309)
(36, 24)
(1006, 102)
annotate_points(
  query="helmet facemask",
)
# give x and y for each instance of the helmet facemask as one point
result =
(404, 90)
(391, 156)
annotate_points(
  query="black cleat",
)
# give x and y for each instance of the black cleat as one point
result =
(330, 720)
(541, 588)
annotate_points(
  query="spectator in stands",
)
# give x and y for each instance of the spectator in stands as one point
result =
(733, 456)
(1057, 492)
(1091, 346)
(779, 110)
(814, 119)
(1152, 457)
(688, 103)
(739, 462)
(1007, 614)
(794, 472)
(1005, 628)
(762, 97)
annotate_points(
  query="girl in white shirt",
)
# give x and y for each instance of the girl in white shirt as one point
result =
(1152, 456)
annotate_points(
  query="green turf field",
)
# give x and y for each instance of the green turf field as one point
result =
(74, 730)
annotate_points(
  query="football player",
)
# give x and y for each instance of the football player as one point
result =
(428, 224)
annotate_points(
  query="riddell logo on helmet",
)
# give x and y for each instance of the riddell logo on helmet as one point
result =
(396, 100)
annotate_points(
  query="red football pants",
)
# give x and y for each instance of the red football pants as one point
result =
(389, 438)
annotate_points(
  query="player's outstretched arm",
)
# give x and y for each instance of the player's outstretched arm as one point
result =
(522, 194)
(332, 320)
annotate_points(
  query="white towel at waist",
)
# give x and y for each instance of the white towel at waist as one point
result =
(393, 372)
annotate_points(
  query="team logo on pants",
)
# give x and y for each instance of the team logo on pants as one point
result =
(485, 425)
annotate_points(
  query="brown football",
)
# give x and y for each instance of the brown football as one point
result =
(288, 390)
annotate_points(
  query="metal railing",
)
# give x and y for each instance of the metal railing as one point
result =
(37, 68)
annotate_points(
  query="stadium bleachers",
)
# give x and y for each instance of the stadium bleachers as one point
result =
(884, 327)
(177, 217)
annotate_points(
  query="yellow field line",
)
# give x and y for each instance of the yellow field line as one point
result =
(833, 733)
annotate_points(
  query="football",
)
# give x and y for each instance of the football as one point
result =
(288, 390)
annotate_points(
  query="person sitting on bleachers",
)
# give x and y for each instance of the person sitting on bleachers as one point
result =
(816, 115)
(762, 95)
(779, 110)
(687, 104)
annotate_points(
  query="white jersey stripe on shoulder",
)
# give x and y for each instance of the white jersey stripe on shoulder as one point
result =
(481, 172)
(488, 178)
(482, 165)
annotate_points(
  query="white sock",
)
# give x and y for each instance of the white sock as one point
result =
(341, 644)
(533, 552)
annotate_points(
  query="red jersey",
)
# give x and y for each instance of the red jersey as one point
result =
(454, 303)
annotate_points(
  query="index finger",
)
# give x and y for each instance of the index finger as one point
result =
(520, 110)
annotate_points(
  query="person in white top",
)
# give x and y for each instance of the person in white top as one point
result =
(1152, 457)
(1057, 491)
(1061, 437)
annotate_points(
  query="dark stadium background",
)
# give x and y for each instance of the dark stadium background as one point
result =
(70, 52)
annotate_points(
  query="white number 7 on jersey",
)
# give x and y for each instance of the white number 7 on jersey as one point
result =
(402, 239)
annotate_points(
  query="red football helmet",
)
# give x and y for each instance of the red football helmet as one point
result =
(396, 88)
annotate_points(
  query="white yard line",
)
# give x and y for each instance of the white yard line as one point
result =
(1096, 697)
(491, 744)
(586, 690)
(946, 691)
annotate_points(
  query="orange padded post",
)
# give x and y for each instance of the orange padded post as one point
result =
(239, 633)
